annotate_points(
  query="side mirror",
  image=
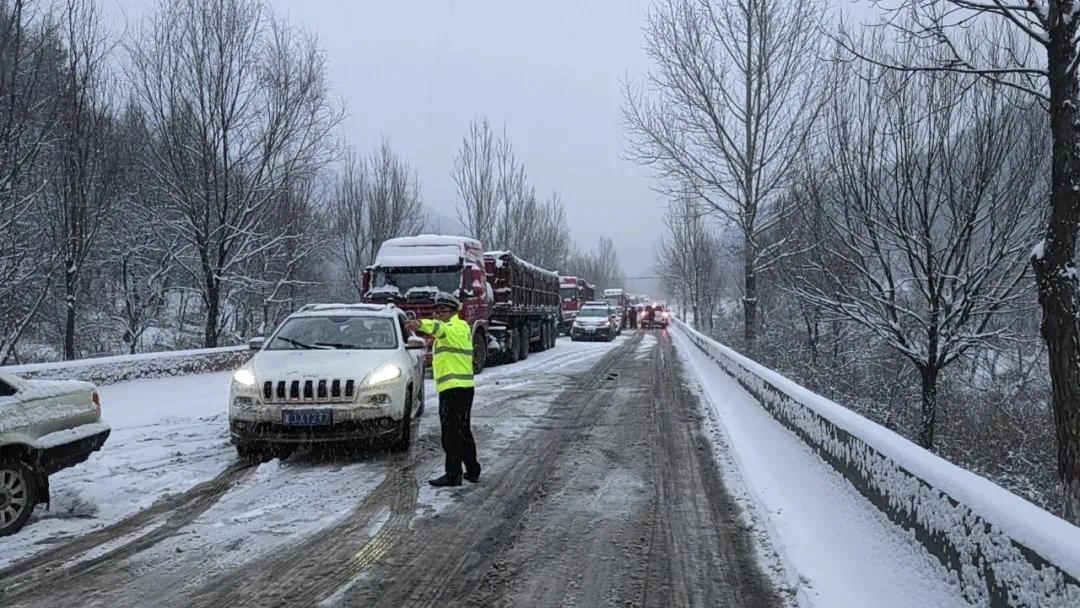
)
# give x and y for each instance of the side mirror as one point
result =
(256, 343)
(415, 343)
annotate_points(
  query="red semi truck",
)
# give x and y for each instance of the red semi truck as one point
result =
(574, 292)
(511, 305)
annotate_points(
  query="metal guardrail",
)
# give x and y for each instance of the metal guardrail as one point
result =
(1028, 561)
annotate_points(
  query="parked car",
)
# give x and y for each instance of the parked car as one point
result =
(329, 374)
(595, 323)
(45, 426)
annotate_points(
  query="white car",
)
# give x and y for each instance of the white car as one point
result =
(45, 426)
(330, 373)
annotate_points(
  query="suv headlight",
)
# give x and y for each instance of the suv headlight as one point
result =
(384, 374)
(244, 377)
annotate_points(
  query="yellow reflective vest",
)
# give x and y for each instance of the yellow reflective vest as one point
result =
(452, 355)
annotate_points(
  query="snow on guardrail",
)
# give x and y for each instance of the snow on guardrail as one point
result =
(110, 370)
(1003, 550)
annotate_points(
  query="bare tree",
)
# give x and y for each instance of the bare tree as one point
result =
(85, 160)
(600, 267)
(688, 259)
(550, 240)
(928, 194)
(395, 206)
(374, 199)
(239, 110)
(727, 111)
(475, 175)
(27, 116)
(1030, 46)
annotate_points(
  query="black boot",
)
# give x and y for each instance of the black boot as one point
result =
(445, 481)
(473, 477)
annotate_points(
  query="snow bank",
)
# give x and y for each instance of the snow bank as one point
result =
(1004, 550)
(110, 370)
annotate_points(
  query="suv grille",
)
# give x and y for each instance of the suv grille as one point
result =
(324, 390)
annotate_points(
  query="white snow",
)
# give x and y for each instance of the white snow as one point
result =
(499, 255)
(427, 250)
(1038, 252)
(839, 551)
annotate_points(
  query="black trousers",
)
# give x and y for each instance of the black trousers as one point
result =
(455, 416)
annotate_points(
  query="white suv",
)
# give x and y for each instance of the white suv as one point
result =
(330, 373)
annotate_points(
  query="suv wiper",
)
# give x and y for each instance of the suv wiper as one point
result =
(299, 344)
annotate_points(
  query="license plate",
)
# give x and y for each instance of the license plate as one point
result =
(307, 417)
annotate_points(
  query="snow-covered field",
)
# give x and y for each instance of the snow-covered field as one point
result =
(837, 550)
(170, 434)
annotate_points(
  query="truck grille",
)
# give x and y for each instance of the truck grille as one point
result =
(324, 390)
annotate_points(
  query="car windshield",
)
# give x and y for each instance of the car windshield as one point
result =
(351, 332)
(446, 279)
(593, 312)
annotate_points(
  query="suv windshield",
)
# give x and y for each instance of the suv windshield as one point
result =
(342, 332)
(593, 312)
(446, 279)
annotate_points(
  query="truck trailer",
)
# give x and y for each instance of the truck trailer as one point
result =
(525, 311)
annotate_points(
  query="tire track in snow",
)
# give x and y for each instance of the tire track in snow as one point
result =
(24, 578)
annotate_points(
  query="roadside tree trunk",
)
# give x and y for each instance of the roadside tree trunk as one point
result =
(1055, 269)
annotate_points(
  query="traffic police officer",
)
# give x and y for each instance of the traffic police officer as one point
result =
(452, 363)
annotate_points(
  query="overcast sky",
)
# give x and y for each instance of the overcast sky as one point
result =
(419, 70)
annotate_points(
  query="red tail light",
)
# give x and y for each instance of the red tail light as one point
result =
(96, 399)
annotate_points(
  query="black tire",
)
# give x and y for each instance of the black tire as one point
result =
(420, 408)
(541, 346)
(479, 360)
(523, 342)
(513, 349)
(18, 495)
(404, 440)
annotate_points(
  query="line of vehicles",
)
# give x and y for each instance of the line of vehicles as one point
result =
(334, 373)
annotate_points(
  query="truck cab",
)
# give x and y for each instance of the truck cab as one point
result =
(410, 271)
(573, 293)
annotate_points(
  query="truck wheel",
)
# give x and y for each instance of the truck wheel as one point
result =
(523, 342)
(479, 355)
(404, 440)
(18, 495)
(542, 344)
(513, 350)
(553, 334)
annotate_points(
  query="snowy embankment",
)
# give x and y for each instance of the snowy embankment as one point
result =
(110, 370)
(998, 549)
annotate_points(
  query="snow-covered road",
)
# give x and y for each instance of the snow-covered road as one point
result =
(169, 450)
